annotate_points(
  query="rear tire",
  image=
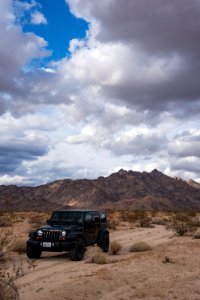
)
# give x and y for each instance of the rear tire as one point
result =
(33, 252)
(105, 242)
(77, 252)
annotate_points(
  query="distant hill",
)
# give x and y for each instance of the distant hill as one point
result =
(121, 190)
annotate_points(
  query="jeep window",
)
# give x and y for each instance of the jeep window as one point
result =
(103, 217)
(88, 217)
(96, 218)
(67, 217)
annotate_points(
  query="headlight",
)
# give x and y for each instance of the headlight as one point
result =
(40, 232)
(63, 233)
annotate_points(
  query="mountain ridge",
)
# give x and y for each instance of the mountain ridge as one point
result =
(121, 190)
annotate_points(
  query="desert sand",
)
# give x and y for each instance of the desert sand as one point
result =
(171, 270)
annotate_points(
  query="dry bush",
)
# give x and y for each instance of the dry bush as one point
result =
(5, 244)
(145, 222)
(128, 216)
(112, 224)
(19, 246)
(8, 288)
(115, 247)
(195, 222)
(181, 228)
(5, 220)
(157, 221)
(99, 258)
(35, 218)
(197, 234)
(140, 247)
(96, 256)
(133, 216)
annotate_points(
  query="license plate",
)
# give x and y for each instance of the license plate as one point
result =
(47, 245)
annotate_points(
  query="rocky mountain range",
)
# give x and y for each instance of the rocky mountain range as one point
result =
(121, 190)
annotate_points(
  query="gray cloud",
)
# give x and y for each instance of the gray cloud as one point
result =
(125, 91)
(153, 31)
(15, 151)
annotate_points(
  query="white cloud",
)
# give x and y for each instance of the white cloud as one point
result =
(38, 18)
(126, 97)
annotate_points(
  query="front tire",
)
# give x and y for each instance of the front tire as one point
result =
(77, 252)
(105, 242)
(33, 252)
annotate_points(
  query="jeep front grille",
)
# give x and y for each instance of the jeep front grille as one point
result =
(51, 235)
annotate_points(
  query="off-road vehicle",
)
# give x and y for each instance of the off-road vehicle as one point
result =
(70, 230)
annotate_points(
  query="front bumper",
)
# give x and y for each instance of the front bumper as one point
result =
(52, 246)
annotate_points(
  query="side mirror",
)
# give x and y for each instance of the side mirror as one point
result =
(48, 221)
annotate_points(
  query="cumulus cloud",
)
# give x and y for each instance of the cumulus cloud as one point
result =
(162, 63)
(25, 47)
(186, 144)
(38, 18)
(129, 90)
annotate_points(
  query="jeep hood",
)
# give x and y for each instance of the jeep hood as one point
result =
(60, 227)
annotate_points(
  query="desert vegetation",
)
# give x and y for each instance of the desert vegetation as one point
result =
(115, 247)
(140, 247)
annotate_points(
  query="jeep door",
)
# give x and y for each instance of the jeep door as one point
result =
(89, 228)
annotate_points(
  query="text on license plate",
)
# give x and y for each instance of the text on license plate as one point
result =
(47, 245)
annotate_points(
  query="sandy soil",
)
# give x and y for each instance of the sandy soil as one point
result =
(143, 275)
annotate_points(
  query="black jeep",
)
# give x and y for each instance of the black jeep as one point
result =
(70, 230)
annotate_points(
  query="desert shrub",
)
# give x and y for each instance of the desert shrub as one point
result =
(157, 221)
(19, 246)
(8, 287)
(195, 222)
(128, 216)
(140, 247)
(145, 222)
(181, 228)
(131, 216)
(115, 247)
(35, 219)
(112, 224)
(197, 234)
(5, 244)
(5, 221)
(185, 217)
(99, 258)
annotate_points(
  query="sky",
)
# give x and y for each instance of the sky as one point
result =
(88, 87)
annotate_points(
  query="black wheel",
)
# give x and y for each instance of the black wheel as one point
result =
(33, 252)
(105, 242)
(77, 252)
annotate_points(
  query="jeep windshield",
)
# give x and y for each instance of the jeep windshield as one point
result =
(67, 217)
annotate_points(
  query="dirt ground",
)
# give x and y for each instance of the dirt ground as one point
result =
(171, 270)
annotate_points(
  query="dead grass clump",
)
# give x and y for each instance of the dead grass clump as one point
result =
(96, 256)
(112, 224)
(181, 228)
(145, 222)
(19, 246)
(5, 221)
(140, 247)
(197, 234)
(99, 258)
(128, 216)
(35, 219)
(5, 244)
(115, 247)
(158, 221)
